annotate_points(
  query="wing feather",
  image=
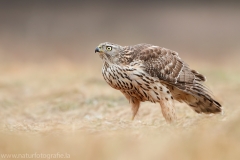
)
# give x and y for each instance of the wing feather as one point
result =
(171, 70)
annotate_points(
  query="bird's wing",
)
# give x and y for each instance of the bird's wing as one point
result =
(166, 65)
(171, 70)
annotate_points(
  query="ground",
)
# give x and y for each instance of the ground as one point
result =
(68, 108)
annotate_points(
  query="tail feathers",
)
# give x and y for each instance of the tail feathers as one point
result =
(199, 101)
(203, 103)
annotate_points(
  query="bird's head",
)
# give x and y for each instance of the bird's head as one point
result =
(108, 51)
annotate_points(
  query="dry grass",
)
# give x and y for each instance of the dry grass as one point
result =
(67, 108)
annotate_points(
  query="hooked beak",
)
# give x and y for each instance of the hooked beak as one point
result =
(97, 50)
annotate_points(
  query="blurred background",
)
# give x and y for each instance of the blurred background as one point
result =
(53, 93)
(42, 31)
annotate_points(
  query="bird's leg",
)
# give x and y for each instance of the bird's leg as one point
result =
(168, 110)
(135, 106)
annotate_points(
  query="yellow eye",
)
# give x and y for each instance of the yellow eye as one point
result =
(109, 48)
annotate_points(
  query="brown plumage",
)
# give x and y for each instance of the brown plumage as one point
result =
(145, 72)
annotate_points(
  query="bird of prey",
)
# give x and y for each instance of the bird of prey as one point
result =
(146, 72)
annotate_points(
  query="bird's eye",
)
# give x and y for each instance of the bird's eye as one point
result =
(109, 48)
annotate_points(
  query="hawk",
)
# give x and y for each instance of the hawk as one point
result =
(146, 72)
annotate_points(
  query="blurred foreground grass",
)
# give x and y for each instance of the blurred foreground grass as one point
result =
(68, 108)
